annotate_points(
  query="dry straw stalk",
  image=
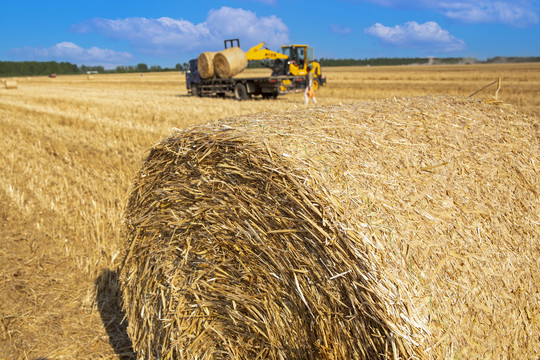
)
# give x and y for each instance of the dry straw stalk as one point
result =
(404, 228)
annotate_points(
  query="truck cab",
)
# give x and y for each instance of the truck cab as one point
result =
(193, 78)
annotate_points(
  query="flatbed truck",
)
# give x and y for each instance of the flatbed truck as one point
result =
(242, 88)
(289, 70)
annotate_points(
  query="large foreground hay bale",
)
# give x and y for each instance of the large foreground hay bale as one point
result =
(396, 228)
(11, 84)
(230, 62)
(205, 65)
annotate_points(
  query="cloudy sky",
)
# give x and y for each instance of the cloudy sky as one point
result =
(167, 32)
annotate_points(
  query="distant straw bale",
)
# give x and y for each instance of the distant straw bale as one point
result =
(11, 84)
(90, 77)
(205, 65)
(229, 62)
(401, 228)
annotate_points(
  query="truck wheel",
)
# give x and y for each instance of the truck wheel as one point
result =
(195, 90)
(240, 92)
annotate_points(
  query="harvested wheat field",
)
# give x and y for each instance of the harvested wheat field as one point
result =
(399, 207)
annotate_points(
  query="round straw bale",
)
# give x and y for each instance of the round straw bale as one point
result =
(231, 253)
(229, 62)
(11, 84)
(90, 77)
(205, 65)
(370, 230)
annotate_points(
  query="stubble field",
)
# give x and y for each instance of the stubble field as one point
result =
(70, 149)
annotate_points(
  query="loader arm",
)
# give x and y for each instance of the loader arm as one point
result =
(258, 53)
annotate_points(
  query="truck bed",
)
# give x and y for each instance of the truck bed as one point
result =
(245, 87)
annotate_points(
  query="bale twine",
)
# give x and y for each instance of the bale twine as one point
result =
(229, 62)
(386, 229)
(205, 65)
(11, 84)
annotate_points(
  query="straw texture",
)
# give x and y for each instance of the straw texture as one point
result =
(403, 228)
(205, 65)
(229, 62)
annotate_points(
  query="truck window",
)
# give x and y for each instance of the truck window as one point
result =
(193, 65)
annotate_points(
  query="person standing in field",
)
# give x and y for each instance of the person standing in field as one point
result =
(309, 93)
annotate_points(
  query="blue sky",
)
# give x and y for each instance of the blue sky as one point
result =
(166, 32)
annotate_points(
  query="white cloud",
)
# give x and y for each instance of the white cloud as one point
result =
(518, 13)
(70, 52)
(510, 13)
(167, 36)
(428, 36)
(339, 29)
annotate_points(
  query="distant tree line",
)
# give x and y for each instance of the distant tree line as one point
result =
(372, 62)
(433, 60)
(411, 61)
(30, 68)
(145, 68)
(513, 59)
(26, 68)
(33, 68)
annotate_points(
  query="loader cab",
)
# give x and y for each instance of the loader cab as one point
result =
(300, 56)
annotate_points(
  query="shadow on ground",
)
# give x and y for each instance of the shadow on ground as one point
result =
(109, 302)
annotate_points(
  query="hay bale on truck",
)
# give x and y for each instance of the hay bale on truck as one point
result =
(205, 64)
(230, 62)
(372, 230)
